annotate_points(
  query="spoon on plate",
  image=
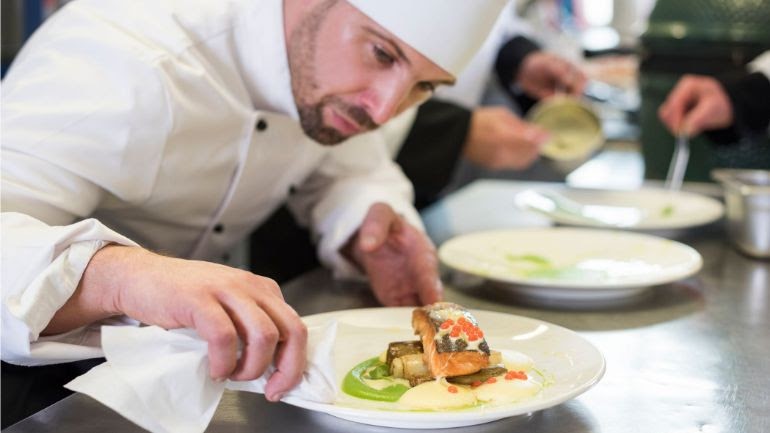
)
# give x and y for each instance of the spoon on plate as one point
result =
(553, 203)
(678, 165)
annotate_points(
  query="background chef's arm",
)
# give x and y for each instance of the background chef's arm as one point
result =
(749, 96)
(335, 199)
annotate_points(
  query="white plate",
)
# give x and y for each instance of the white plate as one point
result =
(573, 363)
(571, 264)
(643, 209)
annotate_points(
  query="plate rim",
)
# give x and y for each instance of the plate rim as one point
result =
(719, 208)
(559, 284)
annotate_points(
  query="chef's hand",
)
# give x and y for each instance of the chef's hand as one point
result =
(696, 104)
(498, 139)
(223, 304)
(543, 74)
(399, 259)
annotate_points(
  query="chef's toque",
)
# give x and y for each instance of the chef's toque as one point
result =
(448, 32)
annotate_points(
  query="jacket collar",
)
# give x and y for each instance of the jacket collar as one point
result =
(261, 50)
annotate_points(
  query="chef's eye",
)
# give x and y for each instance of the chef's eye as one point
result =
(383, 57)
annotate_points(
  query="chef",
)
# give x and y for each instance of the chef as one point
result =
(142, 140)
(726, 108)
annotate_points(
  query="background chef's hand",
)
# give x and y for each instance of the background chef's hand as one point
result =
(696, 104)
(399, 259)
(543, 74)
(221, 303)
(498, 139)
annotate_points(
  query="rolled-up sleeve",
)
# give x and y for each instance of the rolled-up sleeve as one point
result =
(41, 268)
(61, 161)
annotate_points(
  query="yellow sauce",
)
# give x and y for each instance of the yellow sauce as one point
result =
(507, 391)
(435, 395)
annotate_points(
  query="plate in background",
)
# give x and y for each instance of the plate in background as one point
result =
(571, 264)
(642, 209)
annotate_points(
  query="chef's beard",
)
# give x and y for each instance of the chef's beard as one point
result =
(301, 53)
(311, 119)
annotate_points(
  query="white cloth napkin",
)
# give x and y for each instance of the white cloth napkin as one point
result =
(159, 379)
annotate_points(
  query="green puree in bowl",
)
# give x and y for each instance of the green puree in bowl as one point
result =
(359, 379)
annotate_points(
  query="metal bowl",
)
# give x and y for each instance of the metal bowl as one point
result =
(747, 198)
(576, 131)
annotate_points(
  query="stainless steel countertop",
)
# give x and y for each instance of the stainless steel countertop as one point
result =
(693, 356)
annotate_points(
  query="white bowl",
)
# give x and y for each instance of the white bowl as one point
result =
(576, 131)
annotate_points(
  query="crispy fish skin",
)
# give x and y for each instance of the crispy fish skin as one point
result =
(447, 357)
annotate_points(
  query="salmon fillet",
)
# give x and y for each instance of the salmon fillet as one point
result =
(452, 342)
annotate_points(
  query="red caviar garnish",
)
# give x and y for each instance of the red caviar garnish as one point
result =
(452, 389)
(516, 375)
(447, 323)
(476, 383)
(455, 332)
(491, 380)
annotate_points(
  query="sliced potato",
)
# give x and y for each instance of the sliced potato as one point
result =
(414, 366)
(397, 368)
(495, 357)
(398, 349)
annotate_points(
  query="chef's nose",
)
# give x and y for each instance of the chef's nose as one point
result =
(383, 100)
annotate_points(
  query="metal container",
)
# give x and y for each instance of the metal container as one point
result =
(747, 196)
(576, 131)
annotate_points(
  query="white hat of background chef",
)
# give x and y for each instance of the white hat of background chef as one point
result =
(448, 32)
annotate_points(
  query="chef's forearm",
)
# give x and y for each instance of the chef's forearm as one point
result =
(96, 297)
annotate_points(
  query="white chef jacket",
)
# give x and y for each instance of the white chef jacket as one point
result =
(168, 124)
(761, 64)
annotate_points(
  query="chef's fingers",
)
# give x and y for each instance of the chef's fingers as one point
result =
(518, 155)
(385, 289)
(533, 135)
(679, 101)
(410, 300)
(700, 117)
(563, 76)
(571, 79)
(291, 356)
(377, 225)
(214, 325)
(429, 286)
(257, 332)
(516, 131)
(290, 365)
(579, 81)
(423, 268)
